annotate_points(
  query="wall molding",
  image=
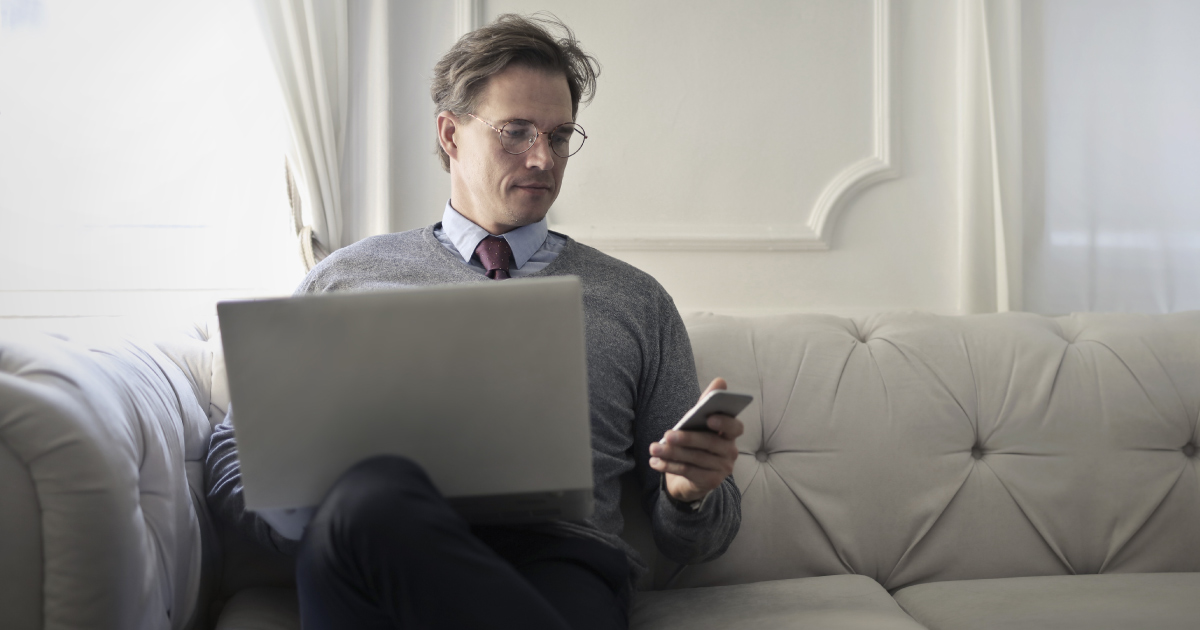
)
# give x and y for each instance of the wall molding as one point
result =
(815, 234)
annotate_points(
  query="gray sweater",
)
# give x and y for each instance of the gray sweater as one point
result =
(641, 380)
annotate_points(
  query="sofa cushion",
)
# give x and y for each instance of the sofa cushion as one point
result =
(840, 601)
(1162, 601)
(852, 602)
(261, 609)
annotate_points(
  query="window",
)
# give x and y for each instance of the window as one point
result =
(141, 159)
(1112, 98)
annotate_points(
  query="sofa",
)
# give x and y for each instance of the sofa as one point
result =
(899, 471)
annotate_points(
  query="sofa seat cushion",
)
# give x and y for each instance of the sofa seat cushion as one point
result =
(261, 609)
(1125, 600)
(832, 602)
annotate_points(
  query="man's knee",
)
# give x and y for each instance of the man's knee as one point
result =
(376, 491)
(380, 477)
(371, 504)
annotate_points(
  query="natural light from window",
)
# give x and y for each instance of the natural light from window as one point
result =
(141, 159)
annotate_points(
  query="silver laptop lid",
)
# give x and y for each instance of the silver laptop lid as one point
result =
(484, 385)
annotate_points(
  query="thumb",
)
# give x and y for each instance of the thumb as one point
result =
(717, 383)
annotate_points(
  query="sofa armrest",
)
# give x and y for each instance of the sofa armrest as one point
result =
(98, 528)
(20, 539)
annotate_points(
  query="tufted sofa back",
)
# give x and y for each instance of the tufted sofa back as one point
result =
(913, 448)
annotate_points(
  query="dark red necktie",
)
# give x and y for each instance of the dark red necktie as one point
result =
(496, 256)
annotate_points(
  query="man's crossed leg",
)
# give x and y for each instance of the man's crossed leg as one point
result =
(385, 550)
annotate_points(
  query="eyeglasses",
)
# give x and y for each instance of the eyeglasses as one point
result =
(518, 136)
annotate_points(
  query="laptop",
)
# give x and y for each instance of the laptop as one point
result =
(483, 385)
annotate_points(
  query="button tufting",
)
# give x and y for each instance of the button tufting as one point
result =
(977, 451)
(1189, 450)
(761, 456)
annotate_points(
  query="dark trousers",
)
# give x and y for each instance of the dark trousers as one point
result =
(385, 550)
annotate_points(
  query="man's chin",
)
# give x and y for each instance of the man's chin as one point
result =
(525, 215)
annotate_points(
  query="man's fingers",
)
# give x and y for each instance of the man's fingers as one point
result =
(695, 457)
(728, 426)
(676, 468)
(702, 440)
(704, 480)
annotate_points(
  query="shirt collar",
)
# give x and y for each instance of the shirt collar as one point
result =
(525, 241)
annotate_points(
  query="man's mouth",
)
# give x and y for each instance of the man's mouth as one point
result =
(534, 187)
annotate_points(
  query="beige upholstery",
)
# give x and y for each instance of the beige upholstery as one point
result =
(915, 448)
(21, 571)
(880, 453)
(1162, 601)
(838, 602)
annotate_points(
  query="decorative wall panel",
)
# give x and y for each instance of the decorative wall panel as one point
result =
(729, 126)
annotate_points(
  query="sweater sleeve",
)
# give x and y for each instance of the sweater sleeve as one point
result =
(223, 490)
(684, 535)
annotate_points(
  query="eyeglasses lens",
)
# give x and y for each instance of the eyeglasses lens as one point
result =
(519, 135)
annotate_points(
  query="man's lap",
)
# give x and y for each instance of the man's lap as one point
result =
(385, 532)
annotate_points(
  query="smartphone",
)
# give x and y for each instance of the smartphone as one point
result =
(717, 401)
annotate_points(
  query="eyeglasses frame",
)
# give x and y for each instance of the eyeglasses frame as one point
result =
(539, 134)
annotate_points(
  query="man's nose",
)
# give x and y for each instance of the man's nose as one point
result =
(540, 155)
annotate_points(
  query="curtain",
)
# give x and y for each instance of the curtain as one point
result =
(1112, 159)
(331, 60)
(1078, 156)
(990, 156)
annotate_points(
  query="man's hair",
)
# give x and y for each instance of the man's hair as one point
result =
(463, 72)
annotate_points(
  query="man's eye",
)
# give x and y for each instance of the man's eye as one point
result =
(518, 130)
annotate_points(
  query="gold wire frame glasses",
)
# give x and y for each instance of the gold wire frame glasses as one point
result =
(518, 136)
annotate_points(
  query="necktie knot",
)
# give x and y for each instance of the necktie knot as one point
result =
(496, 256)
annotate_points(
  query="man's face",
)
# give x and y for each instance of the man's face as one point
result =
(495, 189)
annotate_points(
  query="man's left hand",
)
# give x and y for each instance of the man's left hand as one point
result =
(696, 462)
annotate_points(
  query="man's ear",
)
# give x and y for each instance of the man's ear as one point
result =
(447, 123)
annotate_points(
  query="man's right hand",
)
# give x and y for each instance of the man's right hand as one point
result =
(697, 462)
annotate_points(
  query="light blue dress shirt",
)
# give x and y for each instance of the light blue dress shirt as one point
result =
(533, 246)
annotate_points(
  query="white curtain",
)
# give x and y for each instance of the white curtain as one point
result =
(1078, 155)
(1113, 155)
(331, 59)
(990, 150)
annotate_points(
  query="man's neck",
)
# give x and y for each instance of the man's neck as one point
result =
(465, 234)
(466, 208)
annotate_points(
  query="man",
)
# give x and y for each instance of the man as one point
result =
(384, 549)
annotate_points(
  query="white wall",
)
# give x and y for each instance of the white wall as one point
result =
(808, 147)
(421, 31)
